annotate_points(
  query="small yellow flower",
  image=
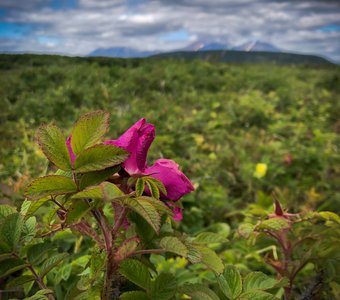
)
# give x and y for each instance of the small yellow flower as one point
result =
(213, 156)
(180, 262)
(199, 139)
(38, 152)
(260, 170)
(213, 115)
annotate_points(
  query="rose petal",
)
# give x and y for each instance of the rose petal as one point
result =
(136, 140)
(178, 212)
(175, 182)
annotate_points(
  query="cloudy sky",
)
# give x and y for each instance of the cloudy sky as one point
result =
(77, 27)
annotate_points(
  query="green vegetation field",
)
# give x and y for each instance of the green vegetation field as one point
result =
(218, 121)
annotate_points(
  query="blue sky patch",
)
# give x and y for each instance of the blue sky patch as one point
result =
(13, 30)
(63, 4)
(2, 12)
(330, 28)
(48, 41)
(174, 36)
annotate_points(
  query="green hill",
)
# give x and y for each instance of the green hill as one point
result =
(217, 120)
(248, 57)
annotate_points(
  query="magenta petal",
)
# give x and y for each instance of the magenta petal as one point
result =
(175, 182)
(70, 151)
(178, 215)
(136, 140)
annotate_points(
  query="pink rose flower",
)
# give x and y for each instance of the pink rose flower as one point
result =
(137, 140)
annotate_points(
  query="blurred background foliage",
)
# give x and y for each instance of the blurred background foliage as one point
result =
(217, 121)
(239, 132)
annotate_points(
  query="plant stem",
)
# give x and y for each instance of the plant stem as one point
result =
(40, 282)
(147, 251)
(56, 202)
(287, 252)
(119, 221)
(107, 292)
(38, 279)
(105, 230)
(110, 265)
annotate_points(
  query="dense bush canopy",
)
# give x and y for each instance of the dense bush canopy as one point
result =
(240, 132)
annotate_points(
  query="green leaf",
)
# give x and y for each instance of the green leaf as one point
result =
(111, 191)
(35, 205)
(198, 292)
(92, 192)
(6, 210)
(64, 173)
(62, 273)
(210, 259)
(4, 248)
(273, 224)
(97, 263)
(174, 245)
(11, 229)
(136, 272)
(153, 189)
(53, 144)
(230, 282)
(24, 207)
(164, 287)
(99, 157)
(50, 185)
(36, 253)
(76, 211)
(51, 262)
(258, 281)
(40, 295)
(146, 210)
(330, 216)
(85, 280)
(126, 248)
(11, 265)
(209, 237)
(139, 187)
(246, 229)
(257, 295)
(194, 255)
(93, 293)
(223, 229)
(94, 178)
(143, 228)
(158, 204)
(106, 191)
(156, 182)
(88, 130)
(5, 256)
(134, 295)
(19, 281)
(28, 230)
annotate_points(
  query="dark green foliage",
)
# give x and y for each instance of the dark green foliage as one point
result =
(248, 57)
(218, 121)
(215, 120)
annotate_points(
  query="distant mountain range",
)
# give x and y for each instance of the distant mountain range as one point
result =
(126, 52)
(257, 46)
(250, 52)
(252, 57)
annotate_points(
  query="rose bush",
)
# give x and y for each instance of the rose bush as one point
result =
(137, 141)
(97, 189)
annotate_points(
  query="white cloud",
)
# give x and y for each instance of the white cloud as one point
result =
(95, 24)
